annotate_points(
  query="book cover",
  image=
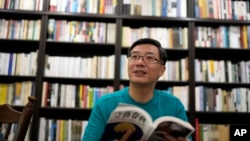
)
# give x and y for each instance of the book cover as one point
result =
(129, 117)
(126, 117)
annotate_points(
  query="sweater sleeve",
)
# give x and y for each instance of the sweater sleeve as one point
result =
(180, 111)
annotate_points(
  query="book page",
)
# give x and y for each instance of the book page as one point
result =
(171, 125)
(127, 118)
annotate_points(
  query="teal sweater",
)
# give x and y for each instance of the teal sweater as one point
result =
(162, 104)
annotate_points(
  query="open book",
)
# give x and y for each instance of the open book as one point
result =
(129, 117)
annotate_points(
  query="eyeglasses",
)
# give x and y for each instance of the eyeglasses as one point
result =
(149, 59)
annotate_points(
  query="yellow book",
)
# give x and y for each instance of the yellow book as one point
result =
(61, 130)
(101, 9)
(90, 97)
(170, 35)
(3, 93)
(80, 96)
(25, 29)
(244, 36)
(211, 71)
(204, 8)
(224, 101)
(17, 100)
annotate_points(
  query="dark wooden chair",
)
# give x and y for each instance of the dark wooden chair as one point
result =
(9, 116)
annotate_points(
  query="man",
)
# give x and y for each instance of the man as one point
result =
(146, 64)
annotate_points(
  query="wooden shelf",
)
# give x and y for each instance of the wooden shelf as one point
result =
(215, 53)
(82, 16)
(225, 85)
(55, 48)
(77, 81)
(217, 22)
(223, 117)
(17, 46)
(20, 14)
(59, 113)
(13, 79)
(152, 21)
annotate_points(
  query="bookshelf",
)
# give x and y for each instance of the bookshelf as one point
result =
(89, 49)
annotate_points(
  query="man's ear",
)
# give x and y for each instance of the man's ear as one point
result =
(163, 68)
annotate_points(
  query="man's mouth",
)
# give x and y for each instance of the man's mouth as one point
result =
(140, 72)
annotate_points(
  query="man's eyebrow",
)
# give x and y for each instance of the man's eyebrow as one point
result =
(135, 52)
(147, 53)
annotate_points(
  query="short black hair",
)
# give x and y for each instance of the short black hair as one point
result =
(162, 52)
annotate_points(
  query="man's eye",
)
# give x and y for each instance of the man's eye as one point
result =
(149, 57)
(134, 56)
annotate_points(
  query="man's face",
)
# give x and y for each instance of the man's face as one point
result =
(141, 72)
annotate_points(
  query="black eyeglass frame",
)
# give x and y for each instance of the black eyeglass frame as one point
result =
(138, 57)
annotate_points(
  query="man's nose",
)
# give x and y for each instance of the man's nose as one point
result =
(141, 58)
(140, 61)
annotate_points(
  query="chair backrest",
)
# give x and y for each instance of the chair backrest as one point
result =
(9, 115)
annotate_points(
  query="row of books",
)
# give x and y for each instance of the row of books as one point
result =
(181, 92)
(221, 100)
(212, 132)
(172, 37)
(222, 9)
(98, 32)
(78, 67)
(84, 6)
(53, 94)
(69, 95)
(16, 93)
(61, 130)
(165, 8)
(222, 71)
(85, 96)
(90, 67)
(81, 31)
(223, 36)
(36, 5)
(20, 64)
(20, 29)
(225, 9)
(176, 70)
